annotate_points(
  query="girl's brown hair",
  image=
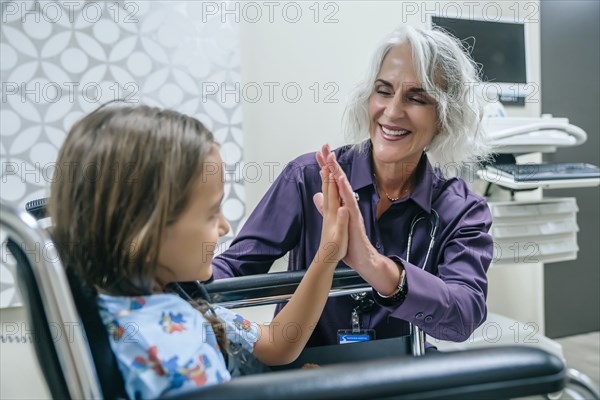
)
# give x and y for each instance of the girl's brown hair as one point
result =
(123, 174)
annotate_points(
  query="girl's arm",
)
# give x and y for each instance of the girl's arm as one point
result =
(282, 341)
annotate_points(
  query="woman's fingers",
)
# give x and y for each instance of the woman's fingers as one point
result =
(334, 166)
(344, 189)
(322, 155)
(330, 197)
(336, 190)
(327, 159)
(325, 186)
(348, 199)
(326, 150)
(343, 220)
(333, 200)
(320, 159)
(347, 194)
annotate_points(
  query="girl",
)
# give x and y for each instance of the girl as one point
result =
(138, 209)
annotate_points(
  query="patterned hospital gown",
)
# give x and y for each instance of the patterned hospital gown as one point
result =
(165, 346)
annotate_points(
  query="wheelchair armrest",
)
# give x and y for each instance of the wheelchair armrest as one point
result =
(274, 287)
(499, 372)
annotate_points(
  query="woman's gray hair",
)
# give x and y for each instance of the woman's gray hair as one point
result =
(450, 76)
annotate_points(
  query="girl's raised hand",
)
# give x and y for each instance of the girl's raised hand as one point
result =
(334, 234)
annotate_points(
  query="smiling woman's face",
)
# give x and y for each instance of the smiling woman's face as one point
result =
(403, 118)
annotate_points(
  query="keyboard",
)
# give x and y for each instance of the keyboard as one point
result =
(549, 171)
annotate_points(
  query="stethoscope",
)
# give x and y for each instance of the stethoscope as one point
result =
(434, 222)
(418, 336)
(433, 219)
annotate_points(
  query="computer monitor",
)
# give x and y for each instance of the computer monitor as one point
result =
(500, 48)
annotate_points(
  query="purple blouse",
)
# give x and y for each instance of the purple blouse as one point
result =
(446, 300)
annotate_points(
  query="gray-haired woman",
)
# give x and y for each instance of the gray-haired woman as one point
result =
(418, 235)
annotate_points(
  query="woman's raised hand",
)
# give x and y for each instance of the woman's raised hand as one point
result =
(334, 235)
(360, 250)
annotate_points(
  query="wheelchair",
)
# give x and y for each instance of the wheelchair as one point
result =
(85, 367)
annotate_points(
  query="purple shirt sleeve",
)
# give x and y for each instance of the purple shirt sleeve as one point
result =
(451, 304)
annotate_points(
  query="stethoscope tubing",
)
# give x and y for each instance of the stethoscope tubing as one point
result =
(418, 336)
(434, 221)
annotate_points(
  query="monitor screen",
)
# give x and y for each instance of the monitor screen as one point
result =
(499, 47)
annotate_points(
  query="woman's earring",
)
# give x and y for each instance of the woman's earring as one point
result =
(425, 149)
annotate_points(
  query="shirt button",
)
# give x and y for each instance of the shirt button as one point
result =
(419, 315)
(428, 318)
(378, 245)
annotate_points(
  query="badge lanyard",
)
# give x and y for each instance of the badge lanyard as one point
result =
(356, 334)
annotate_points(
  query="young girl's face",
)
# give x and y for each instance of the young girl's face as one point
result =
(189, 243)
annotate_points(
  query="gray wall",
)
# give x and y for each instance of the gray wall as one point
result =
(570, 88)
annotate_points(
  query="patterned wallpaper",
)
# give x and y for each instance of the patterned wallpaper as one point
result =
(60, 60)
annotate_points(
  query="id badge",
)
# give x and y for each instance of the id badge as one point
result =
(345, 336)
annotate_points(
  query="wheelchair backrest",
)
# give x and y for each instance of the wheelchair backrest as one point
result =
(60, 334)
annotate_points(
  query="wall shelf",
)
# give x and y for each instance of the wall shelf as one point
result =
(490, 175)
